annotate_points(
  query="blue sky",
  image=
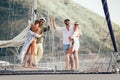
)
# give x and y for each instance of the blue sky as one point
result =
(96, 6)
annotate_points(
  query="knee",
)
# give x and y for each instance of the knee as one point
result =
(67, 55)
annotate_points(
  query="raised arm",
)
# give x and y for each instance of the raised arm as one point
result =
(33, 28)
(53, 22)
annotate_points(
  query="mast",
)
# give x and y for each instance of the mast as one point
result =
(34, 10)
(106, 12)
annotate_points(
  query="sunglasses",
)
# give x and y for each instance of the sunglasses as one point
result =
(42, 21)
(76, 24)
(66, 20)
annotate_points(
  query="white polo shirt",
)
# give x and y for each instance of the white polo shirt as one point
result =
(67, 34)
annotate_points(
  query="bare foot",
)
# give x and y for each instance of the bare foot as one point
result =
(30, 66)
(25, 65)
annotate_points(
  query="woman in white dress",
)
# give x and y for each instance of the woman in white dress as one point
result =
(74, 47)
(29, 45)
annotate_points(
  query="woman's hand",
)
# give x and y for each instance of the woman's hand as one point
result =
(70, 38)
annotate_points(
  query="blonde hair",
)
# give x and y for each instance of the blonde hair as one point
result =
(78, 25)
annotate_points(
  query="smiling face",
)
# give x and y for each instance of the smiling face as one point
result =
(76, 26)
(41, 22)
(67, 22)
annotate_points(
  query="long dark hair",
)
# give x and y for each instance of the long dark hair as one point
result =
(37, 22)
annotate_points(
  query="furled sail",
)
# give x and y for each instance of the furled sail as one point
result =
(16, 41)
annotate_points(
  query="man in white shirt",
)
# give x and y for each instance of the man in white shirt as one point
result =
(67, 31)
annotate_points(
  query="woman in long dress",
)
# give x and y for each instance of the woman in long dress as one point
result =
(74, 47)
(30, 43)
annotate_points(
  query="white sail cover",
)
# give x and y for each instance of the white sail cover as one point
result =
(16, 41)
(21, 37)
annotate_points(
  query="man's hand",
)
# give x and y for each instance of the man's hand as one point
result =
(53, 18)
(53, 21)
(48, 22)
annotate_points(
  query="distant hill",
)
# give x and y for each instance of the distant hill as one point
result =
(15, 13)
